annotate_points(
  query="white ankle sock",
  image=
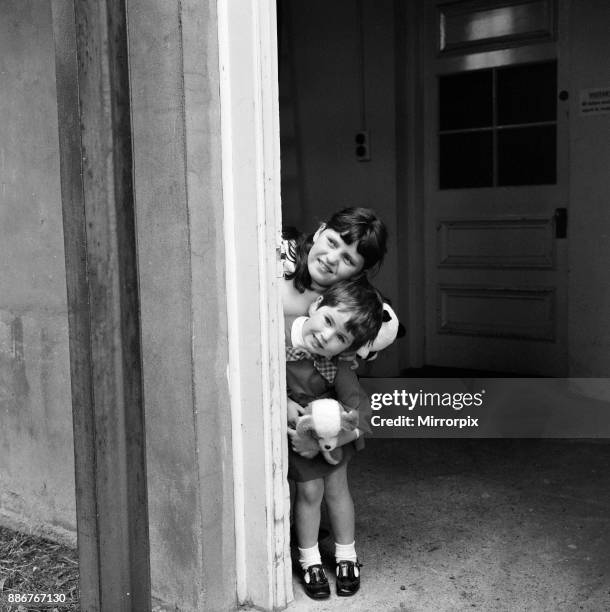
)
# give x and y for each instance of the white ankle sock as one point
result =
(309, 556)
(346, 552)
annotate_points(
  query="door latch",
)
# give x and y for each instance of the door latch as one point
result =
(561, 222)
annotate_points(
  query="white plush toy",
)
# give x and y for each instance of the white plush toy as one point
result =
(324, 419)
(387, 334)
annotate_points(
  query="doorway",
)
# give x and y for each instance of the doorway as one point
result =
(467, 164)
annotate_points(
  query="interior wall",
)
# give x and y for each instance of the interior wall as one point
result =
(36, 453)
(343, 81)
(589, 212)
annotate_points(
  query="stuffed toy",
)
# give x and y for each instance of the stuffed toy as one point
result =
(323, 420)
(389, 331)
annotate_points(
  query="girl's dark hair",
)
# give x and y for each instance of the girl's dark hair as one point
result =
(360, 225)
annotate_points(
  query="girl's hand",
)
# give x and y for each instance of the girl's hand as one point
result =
(352, 357)
(305, 446)
(294, 411)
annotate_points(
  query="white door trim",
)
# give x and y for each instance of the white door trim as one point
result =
(251, 194)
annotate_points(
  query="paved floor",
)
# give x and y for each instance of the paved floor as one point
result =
(494, 525)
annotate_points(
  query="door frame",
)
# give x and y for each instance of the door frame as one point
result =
(249, 125)
(410, 164)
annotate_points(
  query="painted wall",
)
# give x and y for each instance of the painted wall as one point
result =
(589, 213)
(36, 454)
(342, 76)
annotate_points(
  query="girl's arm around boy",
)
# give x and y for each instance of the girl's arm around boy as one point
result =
(352, 396)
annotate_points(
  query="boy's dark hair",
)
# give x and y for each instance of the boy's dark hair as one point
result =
(363, 303)
(360, 225)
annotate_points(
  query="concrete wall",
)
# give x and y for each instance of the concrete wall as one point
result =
(36, 455)
(344, 81)
(589, 212)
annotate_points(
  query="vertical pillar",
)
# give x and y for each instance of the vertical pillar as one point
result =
(103, 305)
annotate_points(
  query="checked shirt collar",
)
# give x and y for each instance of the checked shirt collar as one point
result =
(325, 366)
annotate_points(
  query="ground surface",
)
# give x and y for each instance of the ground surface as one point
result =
(442, 526)
(33, 565)
(493, 525)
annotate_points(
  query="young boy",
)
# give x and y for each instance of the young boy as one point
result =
(344, 318)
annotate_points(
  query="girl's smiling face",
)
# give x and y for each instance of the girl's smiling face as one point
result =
(324, 332)
(330, 259)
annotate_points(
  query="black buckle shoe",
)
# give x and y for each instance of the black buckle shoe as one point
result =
(316, 582)
(348, 578)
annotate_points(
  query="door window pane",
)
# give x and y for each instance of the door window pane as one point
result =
(527, 156)
(469, 24)
(477, 146)
(527, 93)
(466, 160)
(466, 100)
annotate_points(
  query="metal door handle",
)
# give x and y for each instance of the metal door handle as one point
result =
(561, 222)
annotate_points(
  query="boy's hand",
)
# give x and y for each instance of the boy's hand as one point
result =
(305, 446)
(294, 411)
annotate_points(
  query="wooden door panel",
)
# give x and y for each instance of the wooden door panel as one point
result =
(482, 310)
(496, 242)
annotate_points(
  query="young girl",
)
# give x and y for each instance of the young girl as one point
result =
(349, 244)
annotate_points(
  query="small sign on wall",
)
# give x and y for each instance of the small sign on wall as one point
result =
(595, 101)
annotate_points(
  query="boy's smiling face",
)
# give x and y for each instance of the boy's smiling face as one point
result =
(324, 332)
